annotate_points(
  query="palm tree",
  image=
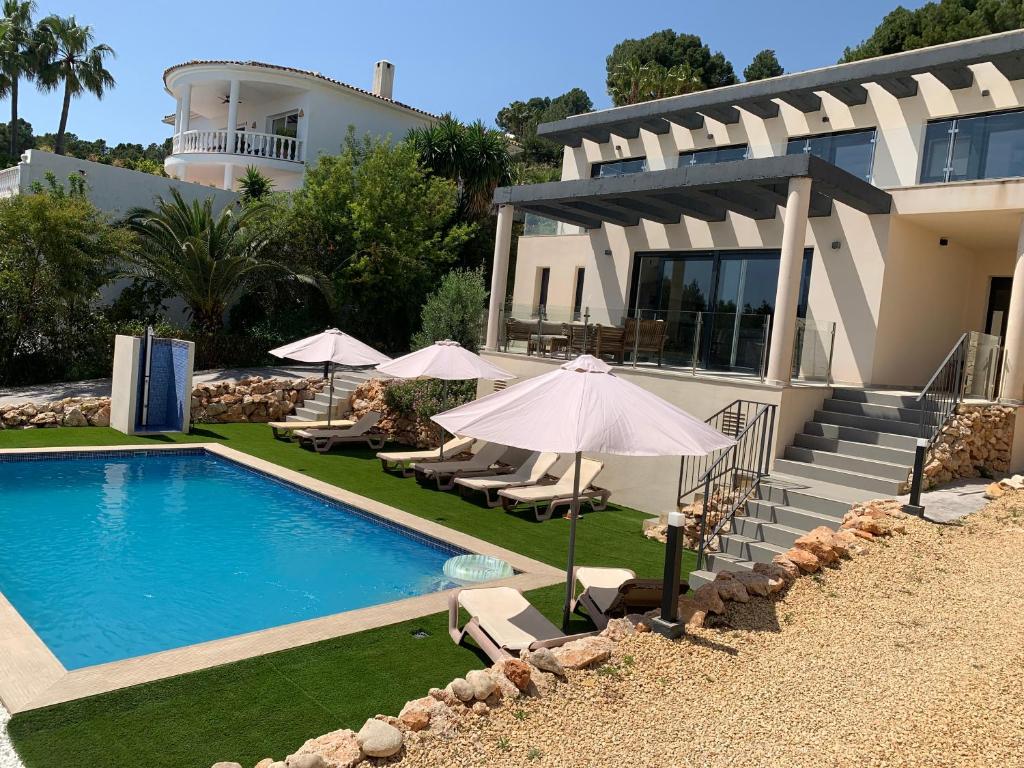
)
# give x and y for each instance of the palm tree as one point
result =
(631, 80)
(16, 57)
(209, 260)
(254, 185)
(476, 157)
(68, 57)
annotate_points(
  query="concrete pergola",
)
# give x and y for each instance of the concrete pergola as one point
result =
(805, 185)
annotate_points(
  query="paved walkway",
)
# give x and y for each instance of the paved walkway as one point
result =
(954, 500)
(42, 393)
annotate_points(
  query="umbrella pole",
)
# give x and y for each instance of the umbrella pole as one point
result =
(330, 397)
(569, 586)
(444, 403)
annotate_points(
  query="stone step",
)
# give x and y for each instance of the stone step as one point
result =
(721, 561)
(812, 495)
(341, 395)
(792, 517)
(891, 426)
(698, 579)
(768, 532)
(849, 463)
(854, 448)
(748, 548)
(873, 410)
(856, 480)
(881, 397)
(857, 435)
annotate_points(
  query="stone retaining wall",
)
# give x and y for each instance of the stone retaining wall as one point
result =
(975, 442)
(407, 429)
(249, 400)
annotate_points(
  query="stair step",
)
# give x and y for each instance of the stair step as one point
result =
(858, 435)
(856, 480)
(873, 410)
(854, 448)
(699, 578)
(791, 517)
(867, 422)
(768, 532)
(721, 561)
(847, 463)
(818, 496)
(877, 397)
(748, 548)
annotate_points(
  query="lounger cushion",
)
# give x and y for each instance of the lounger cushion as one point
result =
(451, 447)
(507, 616)
(291, 426)
(592, 576)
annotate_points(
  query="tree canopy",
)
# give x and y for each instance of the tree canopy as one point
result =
(938, 22)
(695, 66)
(764, 65)
(521, 118)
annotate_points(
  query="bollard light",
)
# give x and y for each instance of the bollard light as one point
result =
(914, 506)
(668, 623)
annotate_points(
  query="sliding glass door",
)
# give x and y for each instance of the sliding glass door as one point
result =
(717, 305)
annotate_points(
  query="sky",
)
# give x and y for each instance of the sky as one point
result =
(469, 58)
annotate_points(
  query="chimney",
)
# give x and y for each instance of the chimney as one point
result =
(384, 79)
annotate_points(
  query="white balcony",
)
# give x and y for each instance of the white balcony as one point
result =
(10, 181)
(244, 144)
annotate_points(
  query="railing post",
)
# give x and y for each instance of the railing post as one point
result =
(702, 543)
(697, 330)
(636, 337)
(831, 351)
(764, 346)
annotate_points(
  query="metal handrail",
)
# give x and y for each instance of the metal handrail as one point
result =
(744, 464)
(944, 391)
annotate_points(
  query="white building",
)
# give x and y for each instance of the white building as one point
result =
(233, 114)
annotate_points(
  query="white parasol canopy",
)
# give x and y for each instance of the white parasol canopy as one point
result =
(334, 347)
(583, 406)
(446, 360)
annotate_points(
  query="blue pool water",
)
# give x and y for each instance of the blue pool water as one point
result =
(112, 557)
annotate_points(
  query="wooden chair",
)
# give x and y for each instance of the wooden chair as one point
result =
(645, 337)
(610, 341)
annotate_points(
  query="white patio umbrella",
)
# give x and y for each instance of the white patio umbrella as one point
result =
(583, 406)
(335, 348)
(446, 360)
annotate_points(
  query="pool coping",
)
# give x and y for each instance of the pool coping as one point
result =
(32, 677)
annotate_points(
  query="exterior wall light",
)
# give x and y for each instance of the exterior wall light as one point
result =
(837, 244)
(607, 251)
(301, 113)
(943, 241)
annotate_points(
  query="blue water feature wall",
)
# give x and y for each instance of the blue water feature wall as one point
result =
(168, 385)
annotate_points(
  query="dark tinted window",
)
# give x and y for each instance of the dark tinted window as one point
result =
(968, 148)
(853, 151)
(713, 155)
(618, 167)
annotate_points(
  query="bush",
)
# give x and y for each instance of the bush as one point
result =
(455, 311)
(427, 397)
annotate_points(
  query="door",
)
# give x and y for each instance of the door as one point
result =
(998, 306)
(674, 289)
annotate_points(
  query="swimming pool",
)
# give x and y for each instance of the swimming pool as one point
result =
(111, 555)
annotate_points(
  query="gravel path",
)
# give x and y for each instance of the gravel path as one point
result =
(911, 655)
(8, 758)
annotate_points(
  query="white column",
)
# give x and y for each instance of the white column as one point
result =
(1012, 388)
(177, 117)
(232, 117)
(186, 108)
(499, 273)
(229, 176)
(787, 293)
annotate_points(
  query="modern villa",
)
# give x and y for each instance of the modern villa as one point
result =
(233, 114)
(804, 241)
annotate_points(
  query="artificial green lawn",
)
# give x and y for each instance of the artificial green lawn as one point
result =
(269, 705)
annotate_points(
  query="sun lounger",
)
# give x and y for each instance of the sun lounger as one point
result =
(363, 431)
(610, 593)
(559, 493)
(503, 622)
(287, 428)
(402, 461)
(483, 462)
(530, 472)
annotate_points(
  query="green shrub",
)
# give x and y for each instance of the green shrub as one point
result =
(455, 311)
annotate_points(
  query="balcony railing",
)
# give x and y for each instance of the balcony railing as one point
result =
(245, 144)
(10, 181)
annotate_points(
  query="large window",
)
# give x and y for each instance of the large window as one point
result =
(853, 151)
(284, 125)
(618, 167)
(968, 148)
(713, 155)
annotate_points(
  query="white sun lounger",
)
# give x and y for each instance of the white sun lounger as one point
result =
(402, 461)
(530, 472)
(286, 428)
(503, 622)
(363, 431)
(559, 493)
(483, 462)
(610, 593)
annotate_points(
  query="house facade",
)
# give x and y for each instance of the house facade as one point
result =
(233, 114)
(841, 227)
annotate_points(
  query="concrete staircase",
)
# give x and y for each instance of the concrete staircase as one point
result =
(345, 383)
(859, 446)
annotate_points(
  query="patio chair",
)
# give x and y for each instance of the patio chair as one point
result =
(483, 462)
(559, 493)
(402, 461)
(286, 429)
(363, 431)
(530, 472)
(503, 623)
(645, 337)
(610, 341)
(610, 593)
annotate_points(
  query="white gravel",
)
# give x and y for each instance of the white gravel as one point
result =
(8, 757)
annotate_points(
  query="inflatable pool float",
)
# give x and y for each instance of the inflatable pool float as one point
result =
(470, 569)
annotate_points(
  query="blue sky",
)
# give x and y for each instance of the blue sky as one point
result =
(469, 58)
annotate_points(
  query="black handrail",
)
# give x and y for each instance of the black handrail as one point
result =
(944, 391)
(739, 469)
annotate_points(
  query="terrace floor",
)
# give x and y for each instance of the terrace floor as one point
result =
(271, 704)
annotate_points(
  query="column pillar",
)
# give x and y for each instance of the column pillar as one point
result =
(499, 273)
(1012, 388)
(232, 117)
(186, 108)
(787, 293)
(229, 176)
